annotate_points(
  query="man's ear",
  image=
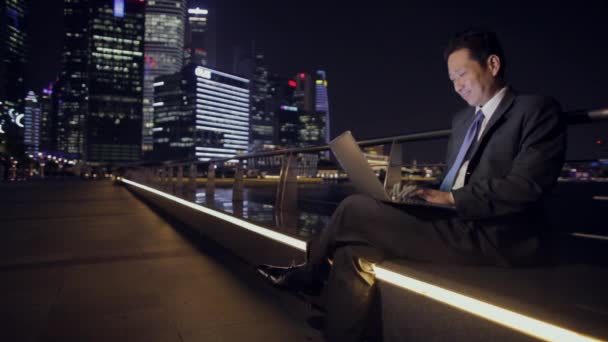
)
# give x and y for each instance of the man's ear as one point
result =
(494, 64)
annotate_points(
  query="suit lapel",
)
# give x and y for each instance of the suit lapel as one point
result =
(502, 108)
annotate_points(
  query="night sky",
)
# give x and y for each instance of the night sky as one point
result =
(385, 63)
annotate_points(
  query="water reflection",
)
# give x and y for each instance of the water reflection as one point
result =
(254, 208)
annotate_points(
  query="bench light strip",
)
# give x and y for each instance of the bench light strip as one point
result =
(524, 324)
(298, 244)
(513, 320)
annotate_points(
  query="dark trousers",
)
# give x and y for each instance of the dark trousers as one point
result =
(362, 227)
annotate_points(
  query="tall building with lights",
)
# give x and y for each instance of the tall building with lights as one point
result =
(47, 119)
(200, 38)
(13, 59)
(262, 120)
(310, 96)
(32, 123)
(100, 89)
(164, 45)
(200, 113)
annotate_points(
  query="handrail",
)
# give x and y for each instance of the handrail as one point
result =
(574, 117)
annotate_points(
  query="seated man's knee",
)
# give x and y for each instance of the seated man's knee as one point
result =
(358, 201)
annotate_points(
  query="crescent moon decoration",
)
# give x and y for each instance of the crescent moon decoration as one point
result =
(18, 121)
(1, 129)
(10, 113)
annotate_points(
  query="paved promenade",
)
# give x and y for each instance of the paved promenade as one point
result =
(87, 261)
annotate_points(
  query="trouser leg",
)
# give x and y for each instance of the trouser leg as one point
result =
(350, 298)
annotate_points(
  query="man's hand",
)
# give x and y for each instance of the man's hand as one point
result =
(435, 196)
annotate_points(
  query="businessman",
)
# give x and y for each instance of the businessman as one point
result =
(504, 155)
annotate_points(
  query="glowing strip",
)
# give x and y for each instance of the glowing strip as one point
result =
(243, 102)
(223, 105)
(295, 243)
(214, 124)
(220, 91)
(591, 236)
(201, 91)
(225, 116)
(223, 85)
(215, 129)
(513, 320)
(600, 198)
(221, 110)
(242, 117)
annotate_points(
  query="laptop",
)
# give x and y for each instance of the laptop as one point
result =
(352, 160)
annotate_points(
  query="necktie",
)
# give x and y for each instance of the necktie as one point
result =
(448, 181)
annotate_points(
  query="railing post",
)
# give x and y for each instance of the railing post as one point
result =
(180, 176)
(149, 176)
(287, 190)
(170, 174)
(192, 177)
(238, 185)
(393, 170)
(159, 176)
(210, 185)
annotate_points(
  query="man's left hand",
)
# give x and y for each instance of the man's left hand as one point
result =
(435, 196)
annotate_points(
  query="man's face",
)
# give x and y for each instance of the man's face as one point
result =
(475, 83)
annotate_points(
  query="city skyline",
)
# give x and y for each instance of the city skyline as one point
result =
(388, 62)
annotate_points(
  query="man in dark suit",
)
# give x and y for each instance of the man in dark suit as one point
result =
(504, 155)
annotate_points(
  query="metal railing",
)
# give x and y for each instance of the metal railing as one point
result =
(287, 190)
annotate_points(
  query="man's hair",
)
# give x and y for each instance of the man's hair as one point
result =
(482, 43)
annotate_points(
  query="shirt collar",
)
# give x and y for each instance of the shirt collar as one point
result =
(490, 107)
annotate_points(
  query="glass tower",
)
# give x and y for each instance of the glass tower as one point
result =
(164, 44)
(13, 58)
(200, 114)
(32, 124)
(199, 40)
(101, 84)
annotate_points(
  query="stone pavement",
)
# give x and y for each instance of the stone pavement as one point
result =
(87, 261)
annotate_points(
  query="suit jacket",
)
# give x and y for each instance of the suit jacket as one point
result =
(514, 164)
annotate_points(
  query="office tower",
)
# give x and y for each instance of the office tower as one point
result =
(13, 58)
(31, 137)
(101, 84)
(200, 38)
(200, 113)
(262, 120)
(47, 119)
(310, 96)
(164, 44)
(322, 101)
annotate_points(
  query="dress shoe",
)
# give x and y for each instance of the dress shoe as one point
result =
(297, 278)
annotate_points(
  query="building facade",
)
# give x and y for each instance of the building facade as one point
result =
(99, 114)
(199, 39)
(164, 45)
(13, 59)
(200, 113)
(263, 110)
(31, 137)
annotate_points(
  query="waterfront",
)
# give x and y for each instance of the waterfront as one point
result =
(574, 206)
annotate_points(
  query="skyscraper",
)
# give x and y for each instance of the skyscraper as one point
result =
(101, 83)
(13, 58)
(72, 88)
(47, 120)
(32, 123)
(262, 121)
(200, 41)
(311, 99)
(200, 113)
(322, 101)
(164, 45)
